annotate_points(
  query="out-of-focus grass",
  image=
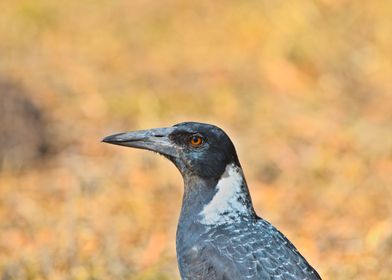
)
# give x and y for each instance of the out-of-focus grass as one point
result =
(303, 87)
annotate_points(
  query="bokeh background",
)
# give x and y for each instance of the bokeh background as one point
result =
(304, 88)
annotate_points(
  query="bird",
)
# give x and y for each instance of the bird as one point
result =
(219, 235)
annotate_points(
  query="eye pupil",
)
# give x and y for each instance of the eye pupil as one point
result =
(196, 141)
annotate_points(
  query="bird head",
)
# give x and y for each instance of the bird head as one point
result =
(197, 149)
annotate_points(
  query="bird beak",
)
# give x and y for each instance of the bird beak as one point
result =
(156, 140)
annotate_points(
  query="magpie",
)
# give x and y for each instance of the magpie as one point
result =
(219, 235)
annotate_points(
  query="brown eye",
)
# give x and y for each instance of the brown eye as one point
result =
(196, 141)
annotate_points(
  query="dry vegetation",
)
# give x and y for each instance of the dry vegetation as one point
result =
(304, 88)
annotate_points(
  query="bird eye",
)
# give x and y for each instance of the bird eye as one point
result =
(196, 140)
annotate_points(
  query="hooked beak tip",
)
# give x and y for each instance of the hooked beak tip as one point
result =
(107, 139)
(113, 139)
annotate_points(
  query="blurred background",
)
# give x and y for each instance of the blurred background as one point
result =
(304, 88)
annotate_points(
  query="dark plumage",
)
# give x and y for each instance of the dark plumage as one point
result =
(219, 235)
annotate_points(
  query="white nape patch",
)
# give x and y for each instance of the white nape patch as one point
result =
(224, 206)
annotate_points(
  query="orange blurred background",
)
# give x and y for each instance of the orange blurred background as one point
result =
(303, 88)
